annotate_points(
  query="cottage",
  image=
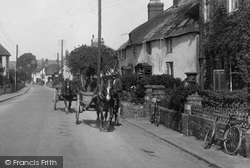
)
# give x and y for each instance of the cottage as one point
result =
(38, 75)
(168, 41)
(4, 60)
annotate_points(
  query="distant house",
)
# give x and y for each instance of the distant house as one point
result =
(38, 75)
(50, 72)
(4, 60)
(168, 41)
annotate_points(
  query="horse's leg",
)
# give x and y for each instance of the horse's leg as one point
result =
(65, 103)
(106, 115)
(116, 115)
(102, 120)
(111, 112)
(97, 115)
(70, 102)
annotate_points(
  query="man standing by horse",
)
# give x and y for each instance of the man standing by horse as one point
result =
(117, 90)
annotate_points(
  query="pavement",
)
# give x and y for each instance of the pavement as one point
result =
(8, 96)
(213, 156)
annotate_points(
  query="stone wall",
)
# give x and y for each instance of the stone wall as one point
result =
(10, 88)
(201, 119)
(132, 110)
(195, 121)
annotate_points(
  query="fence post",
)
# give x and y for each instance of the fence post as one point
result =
(191, 100)
(148, 97)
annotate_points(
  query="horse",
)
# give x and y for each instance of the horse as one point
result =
(104, 101)
(68, 94)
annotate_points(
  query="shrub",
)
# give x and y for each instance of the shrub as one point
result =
(223, 98)
(180, 94)
(166, 80)
(128, 81)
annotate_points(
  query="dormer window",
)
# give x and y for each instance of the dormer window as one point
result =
(207, 7)
(233, 5)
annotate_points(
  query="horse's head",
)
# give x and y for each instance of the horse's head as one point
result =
(105, 89)
(109, 90)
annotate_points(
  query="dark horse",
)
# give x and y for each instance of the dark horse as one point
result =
(68, 94)
(104, 101)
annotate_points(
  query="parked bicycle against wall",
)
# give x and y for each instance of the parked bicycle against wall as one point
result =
(232, 136)
(155, 113)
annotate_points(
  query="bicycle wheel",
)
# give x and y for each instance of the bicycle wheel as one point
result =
(208, 141)
(232, 140)
(157, 117)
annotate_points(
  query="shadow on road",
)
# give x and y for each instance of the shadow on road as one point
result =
(95, 124)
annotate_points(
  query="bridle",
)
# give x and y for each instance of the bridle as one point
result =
(105, 93)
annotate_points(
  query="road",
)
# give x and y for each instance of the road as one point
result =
(30, 127)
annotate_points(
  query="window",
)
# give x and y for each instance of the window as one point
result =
(169, 45)
(149, 48)
(119, 55)
(123, 56)
(169, 68)
(233, 5)
(207, 8)
(219, 79)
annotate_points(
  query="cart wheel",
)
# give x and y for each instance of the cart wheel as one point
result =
(55, 99)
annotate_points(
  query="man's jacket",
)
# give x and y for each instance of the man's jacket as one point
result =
(117, 85)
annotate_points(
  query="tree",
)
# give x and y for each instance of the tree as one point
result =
(227, 42)
(26, 65)
(83, 60)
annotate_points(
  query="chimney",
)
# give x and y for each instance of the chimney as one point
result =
(176, 2)
(155, 7)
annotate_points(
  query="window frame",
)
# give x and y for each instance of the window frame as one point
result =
(171, 64)
(232, 7)
(123, 56)
(169, 45)
(148, 48)
(207, 10)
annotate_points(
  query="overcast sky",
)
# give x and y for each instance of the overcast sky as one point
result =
(38, 26)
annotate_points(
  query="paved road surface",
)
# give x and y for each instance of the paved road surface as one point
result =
(30, 127)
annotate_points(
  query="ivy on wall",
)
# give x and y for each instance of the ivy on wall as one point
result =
(226, 41)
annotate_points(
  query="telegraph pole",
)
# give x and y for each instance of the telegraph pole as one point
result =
(62, 55)
(58, 66)
(16, 68)
(99, 42)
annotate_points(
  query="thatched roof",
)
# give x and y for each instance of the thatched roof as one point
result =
(174, 21)
(51, 69)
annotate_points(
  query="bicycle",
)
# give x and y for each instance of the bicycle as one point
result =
(232, 136)
(156, 114)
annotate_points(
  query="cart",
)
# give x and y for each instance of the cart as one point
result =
(83, 99)
(58, 95)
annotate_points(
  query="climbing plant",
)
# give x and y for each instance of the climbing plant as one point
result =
(226, 40)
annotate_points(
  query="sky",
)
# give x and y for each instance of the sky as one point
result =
(39, 26)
